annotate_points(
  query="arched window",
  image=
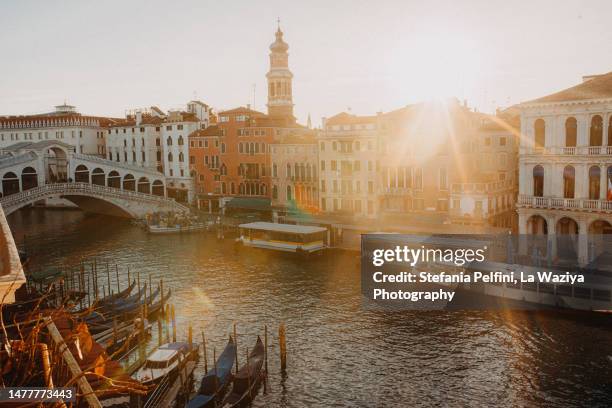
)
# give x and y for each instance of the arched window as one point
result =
(223, 170)
(223, 188)
(233, 188)
(274, 170)
(540, 133)
(610, 132)
(288, 170)
(288, 193)
(170, 158)
(538, 181)
(181, 157)
(169, 141)
(180, 140)
(596, 134)
(569, 182)
(262, 189)
(275, 192)
(571, 132)
(594, 182)
(609, 185)
(240, 150)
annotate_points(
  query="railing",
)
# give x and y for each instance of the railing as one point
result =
(38, 193)
(570, 150)
(493, 186)
(572, 204)
(8, 161)
(111, 163)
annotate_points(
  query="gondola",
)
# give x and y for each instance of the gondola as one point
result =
(217, 379)
(120, 302)
(248, 379)
(120, 295)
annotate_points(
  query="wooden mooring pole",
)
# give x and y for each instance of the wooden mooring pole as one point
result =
(205, 356)
(283, 346)
(173, 325)
(236, 344)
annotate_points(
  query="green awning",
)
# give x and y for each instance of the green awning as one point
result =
(249, 203)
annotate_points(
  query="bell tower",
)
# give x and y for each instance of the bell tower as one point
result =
(280, 99)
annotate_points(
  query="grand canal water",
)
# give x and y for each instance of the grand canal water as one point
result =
(339, 354)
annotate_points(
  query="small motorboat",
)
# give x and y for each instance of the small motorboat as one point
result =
(164, 361)
(248, 379)
(216, 381)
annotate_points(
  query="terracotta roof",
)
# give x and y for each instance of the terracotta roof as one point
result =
(209, 131)
(600, 87)
(243, 110)
(344, 118)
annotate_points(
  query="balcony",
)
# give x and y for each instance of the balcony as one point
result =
(569, 151)
(569, 204)
(482, 188)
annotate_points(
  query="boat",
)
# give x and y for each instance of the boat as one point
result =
(177, 229)
(304, 239)
(116, 296)
(247, 379)
(163, 362)
(216, 381)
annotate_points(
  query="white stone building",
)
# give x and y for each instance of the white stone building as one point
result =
(566, 169)
(86, 133)
(349, 166)
(157, 140)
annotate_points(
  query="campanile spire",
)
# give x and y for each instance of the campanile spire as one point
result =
(280, 98)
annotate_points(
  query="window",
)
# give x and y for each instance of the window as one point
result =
(179, 127)
(594, 182)
(322, 186)
(275, 192)
(181, 157)
(180, 140)
(191, 159)
(596, 131)
(169, 127)
(333, 165)
(418, 179)
(288, 193)
(370, 187)
(540, 134)
(443, 182)
(502, 141)
(569, 182)
(571, 132)
(357, 165)
(322, 146)
(538, 181)
(170, 157)
(169, 141)
(322, 165)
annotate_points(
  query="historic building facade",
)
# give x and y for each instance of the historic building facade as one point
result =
(566, 169)
(233, 158)
(430, 164)
(86, 133)
(349, 167)
(158, 140)
(295, 173)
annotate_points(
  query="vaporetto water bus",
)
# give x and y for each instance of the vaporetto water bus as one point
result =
(283, 237)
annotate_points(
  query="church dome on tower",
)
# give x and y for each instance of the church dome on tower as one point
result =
(279, 45)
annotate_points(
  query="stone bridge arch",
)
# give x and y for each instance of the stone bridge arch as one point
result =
(94, 198)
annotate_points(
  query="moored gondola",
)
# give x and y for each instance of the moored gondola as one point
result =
(248, 379)
(216, 381)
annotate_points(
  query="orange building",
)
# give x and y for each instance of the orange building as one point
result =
(232, 158)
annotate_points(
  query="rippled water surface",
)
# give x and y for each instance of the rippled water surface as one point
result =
(338, 354)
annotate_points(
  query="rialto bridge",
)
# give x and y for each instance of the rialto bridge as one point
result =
(34, 172)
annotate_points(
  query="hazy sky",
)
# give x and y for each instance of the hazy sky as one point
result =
(109, 56)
